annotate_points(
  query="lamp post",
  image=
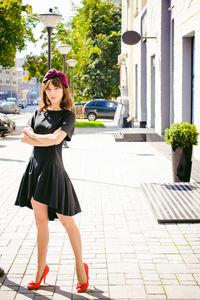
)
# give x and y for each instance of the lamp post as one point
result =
(72, 63)
(64, 49)
(49, 20)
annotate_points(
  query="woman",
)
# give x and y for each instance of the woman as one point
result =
(45, 185)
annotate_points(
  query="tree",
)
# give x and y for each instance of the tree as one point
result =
(94, 34)
(16, 23)
(103, 25)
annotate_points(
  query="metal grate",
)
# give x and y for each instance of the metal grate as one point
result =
(174, 203)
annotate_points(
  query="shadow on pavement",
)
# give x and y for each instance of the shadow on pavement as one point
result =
(68, 295)
(11, 160)
(107, 183)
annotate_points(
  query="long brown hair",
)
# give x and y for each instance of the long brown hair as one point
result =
(66, 102)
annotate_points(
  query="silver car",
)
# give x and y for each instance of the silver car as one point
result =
(7, 107)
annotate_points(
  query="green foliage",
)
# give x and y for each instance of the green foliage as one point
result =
(181, 135)
(94, 34)
(16, 23)
(101, 74)
(89, 124)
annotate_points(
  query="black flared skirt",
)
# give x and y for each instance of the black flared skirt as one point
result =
(48, 183)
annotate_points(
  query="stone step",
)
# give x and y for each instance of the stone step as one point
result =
(137, 135)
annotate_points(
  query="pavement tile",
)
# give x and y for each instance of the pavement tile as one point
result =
(7, 295)
(127, 291)
(122, 267)
(172, 268)
(10, 288)
(99, 282)
(157, 297)
(24, 297)
(154, 289)
(182, 292)
(62, 297)
(128, 252)
(116, 279)
(170, 282)
(150, 276)
(134, 281)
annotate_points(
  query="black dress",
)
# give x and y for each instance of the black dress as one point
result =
(45, 178)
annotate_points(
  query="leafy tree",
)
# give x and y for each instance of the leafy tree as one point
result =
(94, 34)
(102, 21)
(16, 23)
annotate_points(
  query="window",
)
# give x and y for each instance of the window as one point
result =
(92, 104)
(111, 105)
(100, 104)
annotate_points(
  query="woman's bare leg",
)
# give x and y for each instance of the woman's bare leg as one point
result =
(41, 218)
(75, 240)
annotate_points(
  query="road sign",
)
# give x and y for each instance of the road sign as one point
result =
(25, 86)
(25, 78)
(34, 91)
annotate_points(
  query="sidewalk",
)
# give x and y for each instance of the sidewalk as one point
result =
(130, 256)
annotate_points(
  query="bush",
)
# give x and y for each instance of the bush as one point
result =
(181, 135)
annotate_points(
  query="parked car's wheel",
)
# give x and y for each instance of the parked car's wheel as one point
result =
(91, 116)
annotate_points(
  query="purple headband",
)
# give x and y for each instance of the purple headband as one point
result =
(53, 73)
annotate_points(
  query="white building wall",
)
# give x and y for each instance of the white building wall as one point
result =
(172, 99)
(186, 24)
(153, 48)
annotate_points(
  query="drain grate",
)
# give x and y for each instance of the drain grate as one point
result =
(174, 203)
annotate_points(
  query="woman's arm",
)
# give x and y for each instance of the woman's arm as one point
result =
(28, 140)
(45, 139)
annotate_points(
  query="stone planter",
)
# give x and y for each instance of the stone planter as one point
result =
(182, 163)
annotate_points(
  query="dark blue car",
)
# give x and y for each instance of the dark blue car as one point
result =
(100, 108)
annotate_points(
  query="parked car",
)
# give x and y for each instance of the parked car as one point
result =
(100, 108)
(6, 125)
(30, 102)
(9, 108)
(12, 99)
(35, 102)
(22, 103)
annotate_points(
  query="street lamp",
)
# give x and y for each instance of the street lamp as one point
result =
(72, 63)
(64, 49)
(49, 20)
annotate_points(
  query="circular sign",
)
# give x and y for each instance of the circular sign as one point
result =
(131, 37)
(25, 78)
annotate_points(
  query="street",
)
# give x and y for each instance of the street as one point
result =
(129, 254)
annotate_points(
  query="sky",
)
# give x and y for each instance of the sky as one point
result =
(42, 6)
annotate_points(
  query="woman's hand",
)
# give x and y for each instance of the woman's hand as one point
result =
(28, 130)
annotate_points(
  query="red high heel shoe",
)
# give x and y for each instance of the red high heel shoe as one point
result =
(82, 287)
(35, 285)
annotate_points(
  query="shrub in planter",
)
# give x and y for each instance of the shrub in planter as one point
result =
(182, 136)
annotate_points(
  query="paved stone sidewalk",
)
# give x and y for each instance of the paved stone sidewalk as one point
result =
(130, 256)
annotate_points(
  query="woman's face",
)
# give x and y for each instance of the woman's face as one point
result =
(54, 94)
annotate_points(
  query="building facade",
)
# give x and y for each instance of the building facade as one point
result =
(8, 82)
(13, 84)
(161, 73)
